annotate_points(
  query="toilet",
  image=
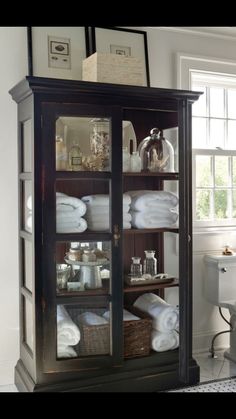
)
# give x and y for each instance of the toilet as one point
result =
(220, 290)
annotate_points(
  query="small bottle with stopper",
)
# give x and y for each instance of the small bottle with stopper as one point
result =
(227, 251)
(75, 157)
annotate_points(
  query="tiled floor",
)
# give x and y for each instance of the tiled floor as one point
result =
(210, 369)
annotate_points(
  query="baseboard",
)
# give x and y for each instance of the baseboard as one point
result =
(7, 372)
(202, 341)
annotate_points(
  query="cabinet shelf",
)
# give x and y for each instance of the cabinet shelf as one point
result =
(163, 175)
(150, 230)
(151, 287)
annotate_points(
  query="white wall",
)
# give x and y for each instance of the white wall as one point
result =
(13, 68)
(163, 48)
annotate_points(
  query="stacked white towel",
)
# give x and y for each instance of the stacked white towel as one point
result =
(69, 212)
(68, 334)
(98, 216)
(153, 209)
(165, 321)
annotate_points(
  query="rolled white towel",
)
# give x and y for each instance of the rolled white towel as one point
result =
(64, 351)
(62, 199)
(68, 216)
(161, 342)
(148, 200)
(102, 199)
(90, 319)
(29, 203)
(103, 209)
(126, 315)
(141, 219)
(67, 332)
(164, 316)
(72, 227)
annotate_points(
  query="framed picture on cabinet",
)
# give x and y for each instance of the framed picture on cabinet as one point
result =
(56, 52)
(126, 42)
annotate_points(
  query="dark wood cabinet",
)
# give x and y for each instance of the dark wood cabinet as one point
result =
(49, 109)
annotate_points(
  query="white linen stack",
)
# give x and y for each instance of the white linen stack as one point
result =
(165, 321)
(97, 215)
(68, 334)
(69, 212)
(153, 209)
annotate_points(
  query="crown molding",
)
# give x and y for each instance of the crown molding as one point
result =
(198, 32)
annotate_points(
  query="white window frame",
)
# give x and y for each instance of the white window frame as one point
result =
(186, 65)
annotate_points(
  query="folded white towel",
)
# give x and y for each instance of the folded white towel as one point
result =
(161, 342)
(73, 202)
(103, 209)
(72, 226)
(64, 351)
(67, 331)
(103, 218)
(66, 216)
(142, 200)
(104, 226)
(90, 319)
(141, 219)
(126, 315)
(102, 199)
(164, 316)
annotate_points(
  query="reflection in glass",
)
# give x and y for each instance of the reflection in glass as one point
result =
(82, 331)
(83, 143)
(83, 266)
(27, 206)
(28, 264)
(27, 146)
(28, 323)
(221, 170)
(204, 176)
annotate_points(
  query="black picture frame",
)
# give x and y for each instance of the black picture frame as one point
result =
(78, 51)
(130, 34)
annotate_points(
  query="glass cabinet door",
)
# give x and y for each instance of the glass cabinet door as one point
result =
(82, 215)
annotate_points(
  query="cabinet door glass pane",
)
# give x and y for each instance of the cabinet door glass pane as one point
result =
(83, 268)
(83, 331)
(82, 206)
(26, 146)
(83, 144)
(27, 264)
(28, 323)
(27, 206)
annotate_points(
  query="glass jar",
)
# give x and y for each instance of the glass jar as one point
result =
(75, 157)
(88, 256)
(150, 263)
(136, 267)
(63, 274)
(125, 159)
(135, 162)
(100, 140)
(157, 153)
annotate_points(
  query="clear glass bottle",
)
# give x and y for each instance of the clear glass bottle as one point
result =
(136, 267)
(150, 263)
(75, 157)
(157, 153)
(61, 154)
(135, 162)
(100, 140)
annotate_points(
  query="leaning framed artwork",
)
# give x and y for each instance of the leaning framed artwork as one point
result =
(56, 52)
(126, 42)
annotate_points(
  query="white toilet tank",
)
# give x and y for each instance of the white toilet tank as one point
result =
(220, 280)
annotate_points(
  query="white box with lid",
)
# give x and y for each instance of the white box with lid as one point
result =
(113, 68)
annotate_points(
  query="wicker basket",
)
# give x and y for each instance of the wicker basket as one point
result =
(95, 340)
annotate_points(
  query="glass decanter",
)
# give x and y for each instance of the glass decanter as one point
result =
(150, 263)
(157, 153)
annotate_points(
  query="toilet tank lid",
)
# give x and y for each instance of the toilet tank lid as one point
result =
(220, 258)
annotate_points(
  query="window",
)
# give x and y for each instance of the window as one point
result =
(214, 149)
